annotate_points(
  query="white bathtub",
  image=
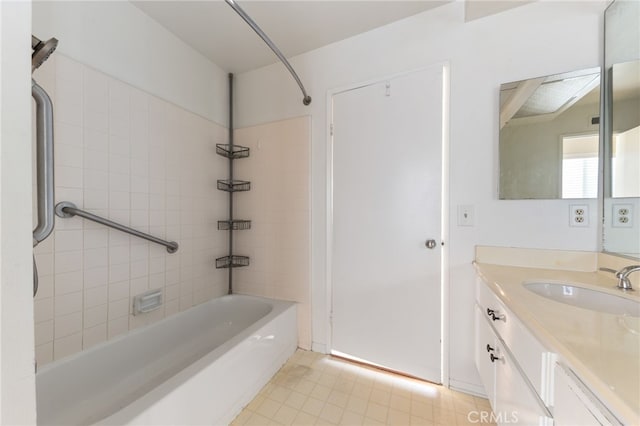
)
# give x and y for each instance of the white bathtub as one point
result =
(198, 367)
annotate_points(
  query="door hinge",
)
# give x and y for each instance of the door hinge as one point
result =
(387, 88)
(331, 129)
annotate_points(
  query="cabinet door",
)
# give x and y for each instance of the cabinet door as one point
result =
(516, 402)
(571, 405)
(485, 345)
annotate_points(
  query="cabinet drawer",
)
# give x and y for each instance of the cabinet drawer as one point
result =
(484, 346)
(532, 357)
(515, 401)
(493, 309)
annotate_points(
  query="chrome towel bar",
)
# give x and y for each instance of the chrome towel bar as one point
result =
(67, 209)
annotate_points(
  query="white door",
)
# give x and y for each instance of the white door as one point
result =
(387, 184)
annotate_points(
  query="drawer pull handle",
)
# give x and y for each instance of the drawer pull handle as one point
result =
(489, 348)
(495, 315)
(498, 317)
(494, 358)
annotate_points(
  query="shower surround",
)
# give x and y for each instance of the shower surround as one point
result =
(129, 156)
(124, 154)
(279, 206)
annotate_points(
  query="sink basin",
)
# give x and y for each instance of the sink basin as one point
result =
(586, 298)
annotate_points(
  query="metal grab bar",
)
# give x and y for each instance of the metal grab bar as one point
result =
(44, 162)
(67, 209)
(307, 99)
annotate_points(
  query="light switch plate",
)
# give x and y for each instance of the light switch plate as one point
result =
(465, 215)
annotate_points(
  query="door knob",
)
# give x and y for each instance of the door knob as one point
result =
(431, 244)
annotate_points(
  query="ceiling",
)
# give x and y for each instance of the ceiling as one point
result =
(215, 30)
(296, 26)
(476, 9)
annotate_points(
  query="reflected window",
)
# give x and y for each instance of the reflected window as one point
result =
(580, 166)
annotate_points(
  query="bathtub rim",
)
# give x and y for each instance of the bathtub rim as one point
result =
(132, 333)
(162, 388)
(134, 414)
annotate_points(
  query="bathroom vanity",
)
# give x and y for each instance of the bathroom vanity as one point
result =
(556, 341)
(549, 353)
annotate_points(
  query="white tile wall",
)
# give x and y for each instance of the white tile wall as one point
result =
(278, 205)
(136, 159)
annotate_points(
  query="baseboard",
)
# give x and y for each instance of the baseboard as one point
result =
(470, 388)
(319, 347)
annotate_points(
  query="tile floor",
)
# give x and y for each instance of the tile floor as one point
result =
(316, 389)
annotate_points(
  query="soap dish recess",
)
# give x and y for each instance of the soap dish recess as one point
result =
(146, 302)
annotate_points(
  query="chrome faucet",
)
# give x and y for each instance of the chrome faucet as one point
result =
(623, 276)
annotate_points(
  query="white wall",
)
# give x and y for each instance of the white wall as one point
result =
(537, 39)
(17, 379)
(117, 38)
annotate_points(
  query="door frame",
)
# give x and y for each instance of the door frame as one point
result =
(444, 231)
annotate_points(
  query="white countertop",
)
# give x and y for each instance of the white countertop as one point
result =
(603, 350)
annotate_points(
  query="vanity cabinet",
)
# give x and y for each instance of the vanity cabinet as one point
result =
(485, 344)
(513, 365)
(575, 404)
(535, 361)
(558, 362)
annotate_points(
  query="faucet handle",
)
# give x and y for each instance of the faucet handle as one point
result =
(627, 270)
(623, 276)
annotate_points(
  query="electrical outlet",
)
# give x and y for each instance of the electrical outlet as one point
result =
(579, 215)
(465, 215)
(622, 216)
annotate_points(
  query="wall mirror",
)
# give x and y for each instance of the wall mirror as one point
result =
(549, 136)
(621, 129)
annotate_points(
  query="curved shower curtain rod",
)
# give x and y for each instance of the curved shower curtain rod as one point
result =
(307, 99)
